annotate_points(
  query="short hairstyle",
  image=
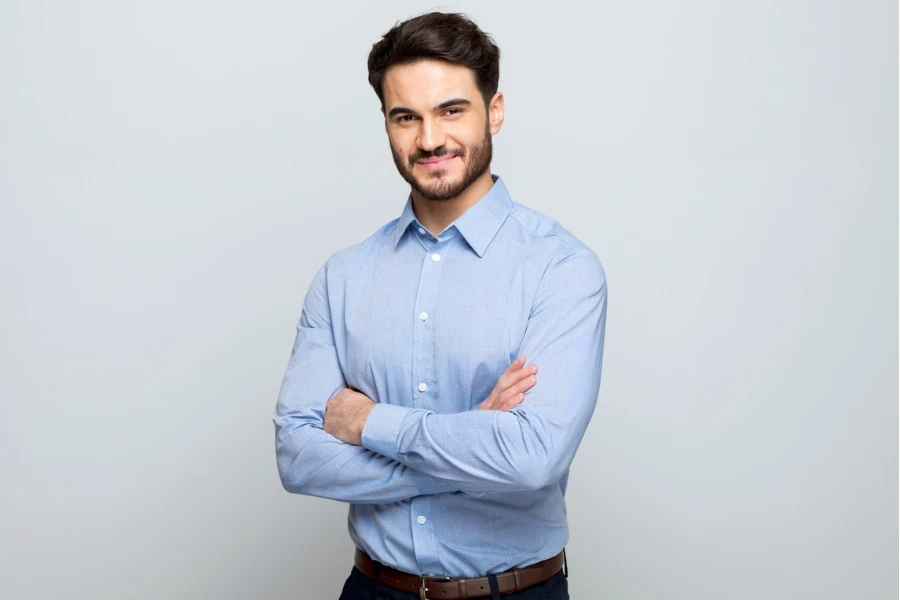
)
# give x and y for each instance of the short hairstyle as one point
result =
(452, 37)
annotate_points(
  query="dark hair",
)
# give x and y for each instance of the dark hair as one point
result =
(436, 35)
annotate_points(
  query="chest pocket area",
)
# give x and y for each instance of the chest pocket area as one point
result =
(473, 344)
(377, 353)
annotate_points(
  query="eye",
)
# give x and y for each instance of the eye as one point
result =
(405, 118)
(453, 111)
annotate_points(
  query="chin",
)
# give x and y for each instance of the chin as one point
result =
(443, 177)
(441, 181)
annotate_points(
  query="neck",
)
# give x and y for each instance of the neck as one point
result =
(435, 215)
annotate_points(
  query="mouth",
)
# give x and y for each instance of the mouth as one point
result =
(432, 164)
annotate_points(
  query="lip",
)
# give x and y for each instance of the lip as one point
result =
(435, 163)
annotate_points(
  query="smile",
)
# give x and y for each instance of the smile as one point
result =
(437, 164)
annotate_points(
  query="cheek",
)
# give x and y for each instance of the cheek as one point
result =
(402, 147)
(467, 139)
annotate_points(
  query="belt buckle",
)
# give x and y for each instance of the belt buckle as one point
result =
(423, 589)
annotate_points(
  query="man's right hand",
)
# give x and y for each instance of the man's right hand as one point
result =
(510, 389)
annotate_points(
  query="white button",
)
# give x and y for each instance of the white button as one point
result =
(423, 315)
(422, 230)
(422, 387)
(421, 520)
(435, 257)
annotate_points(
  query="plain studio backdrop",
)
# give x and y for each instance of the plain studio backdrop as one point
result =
(172, 174)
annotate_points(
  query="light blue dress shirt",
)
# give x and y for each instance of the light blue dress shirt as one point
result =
(425, 326)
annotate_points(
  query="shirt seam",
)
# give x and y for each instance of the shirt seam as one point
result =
(553, 262)
(539, 236)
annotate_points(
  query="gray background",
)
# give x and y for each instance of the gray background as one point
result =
(173, 173)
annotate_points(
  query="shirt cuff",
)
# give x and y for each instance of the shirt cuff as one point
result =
(382, 429)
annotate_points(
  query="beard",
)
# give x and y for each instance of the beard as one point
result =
(477, 160)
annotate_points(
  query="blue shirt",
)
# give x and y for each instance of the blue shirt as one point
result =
(424, 326)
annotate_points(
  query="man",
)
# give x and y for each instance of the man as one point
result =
(407, 394)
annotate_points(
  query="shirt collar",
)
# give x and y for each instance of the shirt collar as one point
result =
(478, 225)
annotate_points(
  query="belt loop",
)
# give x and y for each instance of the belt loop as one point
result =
(375, 580)
(495, 588)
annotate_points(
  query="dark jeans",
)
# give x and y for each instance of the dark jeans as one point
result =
(360, 587)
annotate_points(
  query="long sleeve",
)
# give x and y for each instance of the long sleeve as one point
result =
(311, 461)
(532, 445)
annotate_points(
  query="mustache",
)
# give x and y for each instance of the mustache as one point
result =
(413, 159)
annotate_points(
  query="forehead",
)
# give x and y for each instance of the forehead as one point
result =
(427, 83)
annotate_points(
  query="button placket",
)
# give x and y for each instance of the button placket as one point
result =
(425, 388)
(423, 340)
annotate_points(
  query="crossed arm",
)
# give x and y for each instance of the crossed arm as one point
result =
(311, 461)
(527, 448)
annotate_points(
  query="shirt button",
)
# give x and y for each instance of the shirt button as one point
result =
(435, 257)
(422, 230)
(421, 520)
(423, 315)
(422, 387)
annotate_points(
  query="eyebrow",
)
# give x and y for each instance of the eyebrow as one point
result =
(402, 110)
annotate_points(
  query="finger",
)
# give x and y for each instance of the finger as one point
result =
(513, 402)
(488, 403)
(523, 385)
(505, 384)
(506, 378)
(511, 398)
(519, 392)
(515, 378)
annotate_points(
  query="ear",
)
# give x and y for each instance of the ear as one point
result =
(385, 119)
(495, 113)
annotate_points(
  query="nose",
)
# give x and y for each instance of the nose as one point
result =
(430, 136)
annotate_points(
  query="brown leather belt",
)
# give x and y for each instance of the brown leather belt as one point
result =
(449, 588)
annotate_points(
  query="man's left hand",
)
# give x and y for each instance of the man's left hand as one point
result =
(346, 414)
